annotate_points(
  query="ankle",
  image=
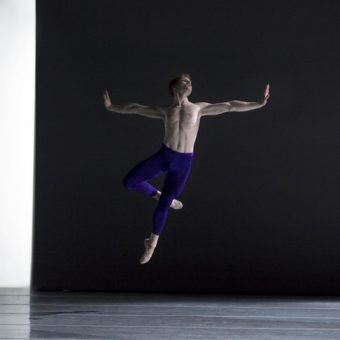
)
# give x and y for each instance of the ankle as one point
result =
(153, 240)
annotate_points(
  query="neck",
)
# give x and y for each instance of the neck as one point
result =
(179, 100)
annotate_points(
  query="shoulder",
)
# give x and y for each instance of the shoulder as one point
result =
(151, 111)
(202, 106)
(161, 110)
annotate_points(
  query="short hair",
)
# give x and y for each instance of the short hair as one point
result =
(175, 81)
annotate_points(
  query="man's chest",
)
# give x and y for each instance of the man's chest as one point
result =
(183, 117)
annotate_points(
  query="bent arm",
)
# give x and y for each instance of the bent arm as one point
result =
(143, 110)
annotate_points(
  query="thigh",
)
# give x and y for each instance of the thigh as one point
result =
(148, 168)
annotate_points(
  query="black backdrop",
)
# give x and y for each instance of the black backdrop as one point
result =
(261, 209)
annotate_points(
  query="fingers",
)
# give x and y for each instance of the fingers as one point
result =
(266, 91)
(266, 94)
(106, 95)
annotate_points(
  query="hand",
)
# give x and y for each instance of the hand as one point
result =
(107, 100)
(266, 95)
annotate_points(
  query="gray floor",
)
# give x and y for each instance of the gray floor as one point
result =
(72, 315)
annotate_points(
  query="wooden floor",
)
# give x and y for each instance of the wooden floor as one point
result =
(72, 315)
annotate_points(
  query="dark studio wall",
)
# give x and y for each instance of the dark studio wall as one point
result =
(261, 208)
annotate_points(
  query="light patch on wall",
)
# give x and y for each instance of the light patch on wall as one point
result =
(17, 83)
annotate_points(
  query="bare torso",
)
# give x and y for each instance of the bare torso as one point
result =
(182, 118)
(181, 124)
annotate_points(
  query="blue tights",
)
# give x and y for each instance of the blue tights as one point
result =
(177, 165)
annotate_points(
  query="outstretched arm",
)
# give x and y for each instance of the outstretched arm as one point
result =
(208, 109)
(144, 110)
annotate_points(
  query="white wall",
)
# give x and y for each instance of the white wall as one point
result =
(17, 79)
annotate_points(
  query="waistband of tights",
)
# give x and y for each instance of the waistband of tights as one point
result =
(177, 152)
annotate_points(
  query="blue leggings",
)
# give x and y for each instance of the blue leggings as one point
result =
(177, 165)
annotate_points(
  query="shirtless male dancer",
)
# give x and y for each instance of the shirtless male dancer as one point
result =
(181, 123)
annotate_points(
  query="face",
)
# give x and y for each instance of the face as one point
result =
(184, 86)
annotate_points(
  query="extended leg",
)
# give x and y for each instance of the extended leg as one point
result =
(173, 186)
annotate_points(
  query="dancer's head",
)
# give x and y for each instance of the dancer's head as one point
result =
(181, 85)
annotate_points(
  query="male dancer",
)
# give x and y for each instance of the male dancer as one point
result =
(181, 124)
